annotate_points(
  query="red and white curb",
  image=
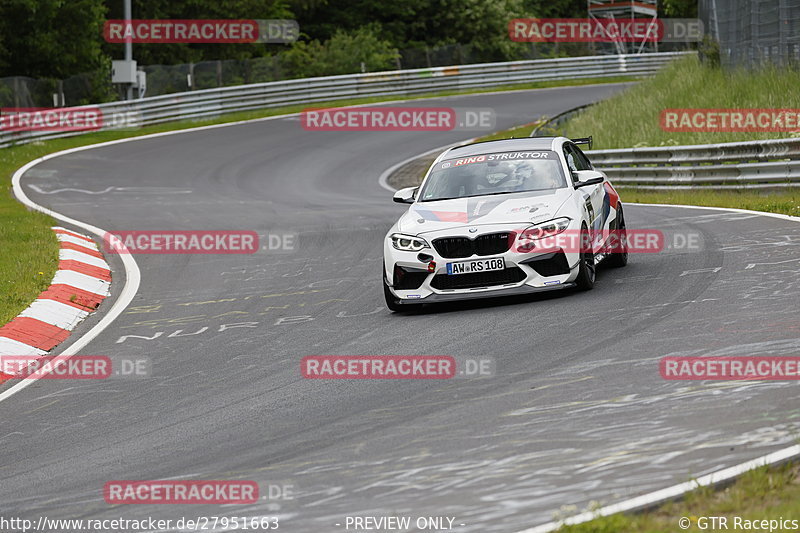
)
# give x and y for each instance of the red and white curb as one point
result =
(82, 281)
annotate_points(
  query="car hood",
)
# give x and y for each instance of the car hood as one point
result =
(514, 208)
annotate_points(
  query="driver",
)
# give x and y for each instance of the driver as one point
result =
(496, 175)
(523, 174)
(532, 180)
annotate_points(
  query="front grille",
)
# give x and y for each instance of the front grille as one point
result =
(554, 264)
(489, 244)
(478, 279)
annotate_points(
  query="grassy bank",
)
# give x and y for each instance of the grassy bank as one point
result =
(29, 249)
(29, 256)
(761, 494)
(786, 202)
(632, 118)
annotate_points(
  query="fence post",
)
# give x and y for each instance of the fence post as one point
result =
(783, 21)
(16, 92)
(60, 99)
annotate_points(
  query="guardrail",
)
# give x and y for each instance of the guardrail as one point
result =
(214, 102)
(742, 165)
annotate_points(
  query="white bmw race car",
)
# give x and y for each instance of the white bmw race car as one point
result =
(501, 218)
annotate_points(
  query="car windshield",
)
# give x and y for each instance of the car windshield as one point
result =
(495, 173)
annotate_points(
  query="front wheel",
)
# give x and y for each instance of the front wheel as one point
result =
(586, 268)
(620, 258)
(391, 301)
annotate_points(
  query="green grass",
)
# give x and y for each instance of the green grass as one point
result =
(764, 493)
(632, 118)
(29, 256)
(785, 201)
(29, 249)
(774, 201)
(516, 132)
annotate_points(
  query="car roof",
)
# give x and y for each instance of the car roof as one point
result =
(502, 145)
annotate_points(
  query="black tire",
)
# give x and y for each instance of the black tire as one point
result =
(620, 259)
(391, 301)
(587, 269)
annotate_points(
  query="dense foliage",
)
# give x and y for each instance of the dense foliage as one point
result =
(60, 38)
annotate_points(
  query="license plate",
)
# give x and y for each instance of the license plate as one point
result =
(478, 265)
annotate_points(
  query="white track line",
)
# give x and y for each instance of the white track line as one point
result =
(382, 179)
(670, 493)
(132, 273)
(728, 209)
(673, 492)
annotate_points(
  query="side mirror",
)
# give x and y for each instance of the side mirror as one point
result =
(405, 196)
(588, 177)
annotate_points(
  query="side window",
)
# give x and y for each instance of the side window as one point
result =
(575, 158)
(569, 155)
(573, 164)
(582, 160)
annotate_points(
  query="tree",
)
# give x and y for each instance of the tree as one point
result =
(169, 54)
(680, 8)
(482, 24)
(50, 38)
(344, 53)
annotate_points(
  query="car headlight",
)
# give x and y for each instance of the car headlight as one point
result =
(408, 243)
(526, 239)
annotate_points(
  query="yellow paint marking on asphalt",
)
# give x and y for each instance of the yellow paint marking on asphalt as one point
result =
(42, 407)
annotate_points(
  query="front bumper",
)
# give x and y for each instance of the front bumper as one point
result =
(408, 278)
(472, 294)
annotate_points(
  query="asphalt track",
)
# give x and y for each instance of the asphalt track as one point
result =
(577, 410)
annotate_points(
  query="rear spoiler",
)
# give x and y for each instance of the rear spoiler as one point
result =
(584, 140)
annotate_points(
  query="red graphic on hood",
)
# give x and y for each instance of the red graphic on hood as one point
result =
(443, 216)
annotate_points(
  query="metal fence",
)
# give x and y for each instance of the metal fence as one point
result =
(754, 32)
(91, 87)
(742, 165)
(81, 89)
(214, 102)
